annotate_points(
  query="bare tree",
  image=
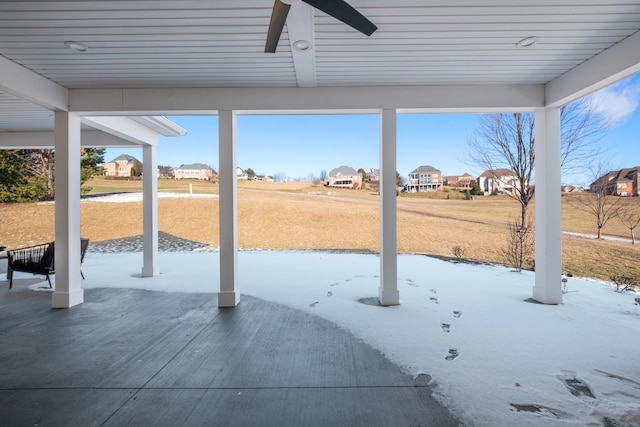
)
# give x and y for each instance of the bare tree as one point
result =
(41, 164)
(601, 200)
(280, 177)
(323, 175)
(507, 141)
(629, 215)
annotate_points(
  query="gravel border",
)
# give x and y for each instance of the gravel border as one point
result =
(166, 243)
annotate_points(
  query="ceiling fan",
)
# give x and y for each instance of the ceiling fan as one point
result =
(339, 9)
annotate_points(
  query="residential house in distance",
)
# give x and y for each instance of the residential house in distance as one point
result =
(196, 171)
(263, 178)
(373, 176)
(624, 182)
(123, 166)
(570, 189)
(498, 181)
(345, 177)
(459, 182)
(373, 179)
(241, 174)
(425, 178)
(166, 172)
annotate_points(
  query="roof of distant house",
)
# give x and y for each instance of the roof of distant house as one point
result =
(629, 173)
(425, 168)
(464, 175)
(497, 173)
(626, 174)
(343, 170)
(126, 157)
(196, 166)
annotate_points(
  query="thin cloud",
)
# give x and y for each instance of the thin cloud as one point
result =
(619, 101)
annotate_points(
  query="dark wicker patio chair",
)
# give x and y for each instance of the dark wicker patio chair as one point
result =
(38, 259)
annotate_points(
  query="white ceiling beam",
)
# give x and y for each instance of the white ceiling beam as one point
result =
(300, 28)
(619, 61)
(37, 140)
(125, 128)
(441, 98)
(25, 84)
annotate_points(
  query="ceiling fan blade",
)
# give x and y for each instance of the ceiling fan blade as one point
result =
(340, 10)
(278, 18)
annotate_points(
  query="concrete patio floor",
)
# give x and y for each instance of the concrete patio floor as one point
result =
(134, 357)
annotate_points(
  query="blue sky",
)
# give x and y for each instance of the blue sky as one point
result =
(300, 146)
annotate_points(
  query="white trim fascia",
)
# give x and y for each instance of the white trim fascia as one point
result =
(25, 84)
(442, 98)
(161, 124)
(616, 63)
(46, 139)
(123, 127)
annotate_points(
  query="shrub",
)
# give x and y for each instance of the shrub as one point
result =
(458, 252)
(520, 246)
(624, 282)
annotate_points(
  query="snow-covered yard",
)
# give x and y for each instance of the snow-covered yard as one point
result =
(494, 358)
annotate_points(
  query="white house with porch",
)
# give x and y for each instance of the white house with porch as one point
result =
(96, 73)
(499, 181)
(195, 171)
(425, 178)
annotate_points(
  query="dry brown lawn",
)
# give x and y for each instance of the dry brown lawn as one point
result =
(300, 215)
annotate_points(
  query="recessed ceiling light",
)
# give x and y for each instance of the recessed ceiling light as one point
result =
(77, 46)
(301, 45)
(527, 41)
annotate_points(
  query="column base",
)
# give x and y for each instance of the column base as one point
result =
(67, 299)
(150, 271)
(545, 296)
(228, 299)
(388, 297)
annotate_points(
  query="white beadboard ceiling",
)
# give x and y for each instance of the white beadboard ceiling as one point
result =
(220, 43)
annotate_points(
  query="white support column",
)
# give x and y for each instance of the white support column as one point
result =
(150, 210)
(229, 295)
(548, 280)
(388, 292)
(68, 281)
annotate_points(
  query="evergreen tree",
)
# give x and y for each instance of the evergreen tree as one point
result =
(27, 175)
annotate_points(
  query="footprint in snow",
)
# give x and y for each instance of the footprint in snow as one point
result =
(445, 327)
(434, 299)
(334, 284)
(410, 283)
(453, 353)
(457, 314)
(542, 410)
(313, 304)
(576, 386)
(329, 293)
(634, 384)
(433, 291)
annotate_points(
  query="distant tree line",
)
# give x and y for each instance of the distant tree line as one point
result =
(28, 175)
